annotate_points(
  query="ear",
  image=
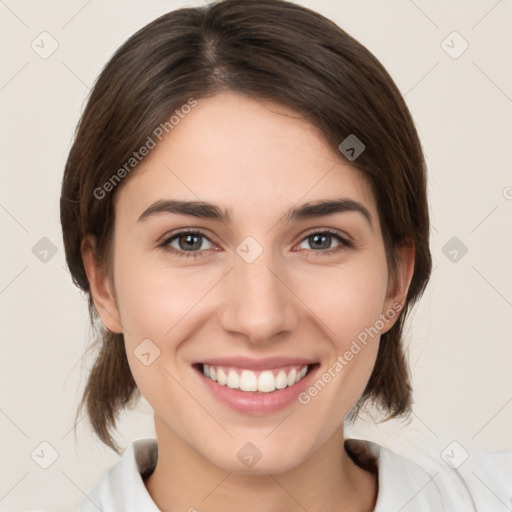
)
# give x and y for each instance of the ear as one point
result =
(101, 290)
(399, 285)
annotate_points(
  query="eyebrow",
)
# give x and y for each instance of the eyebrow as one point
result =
(206, 210)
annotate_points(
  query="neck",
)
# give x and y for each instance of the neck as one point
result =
(327, 481)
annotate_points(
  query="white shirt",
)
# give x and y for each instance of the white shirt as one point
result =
(481, 483)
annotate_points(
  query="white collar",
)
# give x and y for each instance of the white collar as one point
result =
(403, 484)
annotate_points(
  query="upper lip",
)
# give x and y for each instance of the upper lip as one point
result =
(248, 363)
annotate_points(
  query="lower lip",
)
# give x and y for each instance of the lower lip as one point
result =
(258, 403)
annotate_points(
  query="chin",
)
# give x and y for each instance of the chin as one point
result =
(254, 459)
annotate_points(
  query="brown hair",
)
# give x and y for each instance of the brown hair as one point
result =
(271, 49)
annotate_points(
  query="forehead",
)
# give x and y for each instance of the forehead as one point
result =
(244, 154)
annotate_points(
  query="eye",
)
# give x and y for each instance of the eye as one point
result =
(323, 239)
(189, 243)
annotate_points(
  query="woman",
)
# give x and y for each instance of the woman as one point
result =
(245, 206)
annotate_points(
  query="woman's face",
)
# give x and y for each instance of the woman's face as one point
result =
(257, 296)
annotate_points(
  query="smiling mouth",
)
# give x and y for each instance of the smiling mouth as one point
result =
(255, 382)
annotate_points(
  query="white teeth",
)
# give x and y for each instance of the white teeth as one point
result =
(233, 380)
(221, 377)
(248, 381)
(265, 382)
(282, 380)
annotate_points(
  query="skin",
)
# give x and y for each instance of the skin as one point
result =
(260, 160)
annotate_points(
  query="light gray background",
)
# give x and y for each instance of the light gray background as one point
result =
(459, 339)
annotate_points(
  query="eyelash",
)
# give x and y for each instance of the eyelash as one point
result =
(344, 243)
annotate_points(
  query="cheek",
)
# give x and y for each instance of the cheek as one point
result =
(153, 298)
(155, 304)
(348, 299)
(349, 305)
(159, 304)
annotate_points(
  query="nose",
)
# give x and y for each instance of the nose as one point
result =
(259, 304)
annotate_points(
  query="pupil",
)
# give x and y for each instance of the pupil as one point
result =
(321, 239)
(324, 237)
(189, 242)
